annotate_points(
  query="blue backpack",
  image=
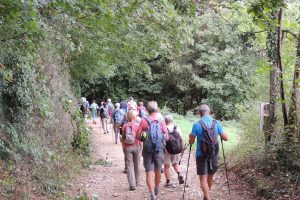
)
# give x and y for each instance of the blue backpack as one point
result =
(143, 112)
(155, 140)
(118, 117)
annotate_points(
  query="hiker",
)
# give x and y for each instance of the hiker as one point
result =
(153, 150)
(104, 117)
(94, 107)
(207, 163)
(123, 105)
(132, 104)
(132, 148)
(174, 148)
(118, 118)
(142, 111)
(86, 107)
(110, 106)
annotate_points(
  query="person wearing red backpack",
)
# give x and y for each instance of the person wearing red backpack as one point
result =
(154, 134)
(206, 131)
(174, 148)
(132, 148)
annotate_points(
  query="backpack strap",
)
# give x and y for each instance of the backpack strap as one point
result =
(203, 125)
(214, 123)
(148, 119)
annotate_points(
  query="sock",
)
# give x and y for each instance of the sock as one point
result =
(156, 190)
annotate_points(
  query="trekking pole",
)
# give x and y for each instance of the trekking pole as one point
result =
(187, 170)
(225, 166)
(185, 147)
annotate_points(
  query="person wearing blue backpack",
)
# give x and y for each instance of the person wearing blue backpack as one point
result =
(118, 117)
(154, 134)
(207, 131)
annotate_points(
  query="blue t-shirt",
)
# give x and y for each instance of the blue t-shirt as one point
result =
(198, 131)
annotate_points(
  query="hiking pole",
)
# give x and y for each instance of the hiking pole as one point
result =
(185, 147)
(187, 170)
(225, 166)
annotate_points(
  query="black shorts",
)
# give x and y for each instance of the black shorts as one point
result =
(206, 166)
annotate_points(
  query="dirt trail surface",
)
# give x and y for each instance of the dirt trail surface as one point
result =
(108, 182)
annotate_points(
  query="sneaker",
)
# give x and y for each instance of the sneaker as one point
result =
(180, 178)
(156, 191)
(132, 188)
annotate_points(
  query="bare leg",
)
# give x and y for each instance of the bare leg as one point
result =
(149, 180)
(210, 179)
(176, 168)
(205, 187)
(157, 177)
(167, 171)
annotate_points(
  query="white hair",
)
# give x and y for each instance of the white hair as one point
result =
(152, 107)
(117, 105)
(169, 119)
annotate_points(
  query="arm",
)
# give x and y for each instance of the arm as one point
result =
(193, 134)
(192, 139)
(221, 132)
(224, 136)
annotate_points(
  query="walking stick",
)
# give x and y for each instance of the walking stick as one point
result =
(225, 166)
(187, 170)
(185, 147)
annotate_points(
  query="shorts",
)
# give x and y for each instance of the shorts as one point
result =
(171, 158)
(153, 162)
(205, 166)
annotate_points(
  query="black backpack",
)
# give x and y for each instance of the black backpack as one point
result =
(174, 144)
(209, 144)
(103, 112)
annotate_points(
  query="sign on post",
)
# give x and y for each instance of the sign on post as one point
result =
(264, 114)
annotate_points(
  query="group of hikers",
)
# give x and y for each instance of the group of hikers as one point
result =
(144, 132)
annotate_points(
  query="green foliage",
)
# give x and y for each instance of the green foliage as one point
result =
(81, 141)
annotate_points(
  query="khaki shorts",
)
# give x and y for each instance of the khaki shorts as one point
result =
(171, 158)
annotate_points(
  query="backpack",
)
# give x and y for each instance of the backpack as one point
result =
(118, 117)
(130, 134)
(209, 145)
(155, 140)
(174, 144)
(104, 112)
(142, 113)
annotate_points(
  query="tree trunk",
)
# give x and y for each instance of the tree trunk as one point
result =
(294, 110)
(280, 67)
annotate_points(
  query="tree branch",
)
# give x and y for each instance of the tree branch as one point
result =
(290, 32)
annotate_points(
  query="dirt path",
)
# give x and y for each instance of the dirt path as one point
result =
(108, 182)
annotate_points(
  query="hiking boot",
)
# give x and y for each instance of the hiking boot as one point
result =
(180, 178)
(156, 191)
(152, 196)
(132, 188)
